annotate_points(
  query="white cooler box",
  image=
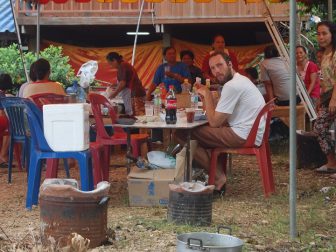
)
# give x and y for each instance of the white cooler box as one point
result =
(66, 126)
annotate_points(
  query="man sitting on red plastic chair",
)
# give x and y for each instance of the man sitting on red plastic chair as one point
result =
(231, 120)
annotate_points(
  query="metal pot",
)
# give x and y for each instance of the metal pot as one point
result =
(214, 242)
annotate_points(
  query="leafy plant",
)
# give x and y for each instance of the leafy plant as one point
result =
(11, 63)
(61, 70)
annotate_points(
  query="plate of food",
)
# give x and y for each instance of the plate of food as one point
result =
(145, 119)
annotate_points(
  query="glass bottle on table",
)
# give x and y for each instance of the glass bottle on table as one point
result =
(171, 104)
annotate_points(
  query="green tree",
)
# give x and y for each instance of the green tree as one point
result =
(11, 63)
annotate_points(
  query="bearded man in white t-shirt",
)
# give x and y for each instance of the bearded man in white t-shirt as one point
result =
(231, 120)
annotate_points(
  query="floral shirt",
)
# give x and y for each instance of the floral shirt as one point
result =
(328, 70)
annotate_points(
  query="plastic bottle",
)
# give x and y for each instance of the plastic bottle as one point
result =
(171, 106)
(194, 98)
(207, 83)
(185, 86)
(157, 101)
(72, 91)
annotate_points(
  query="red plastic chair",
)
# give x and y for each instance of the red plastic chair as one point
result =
(100, 168)
(48, 98)
(16, 148)
(262, 152)
(119, 136)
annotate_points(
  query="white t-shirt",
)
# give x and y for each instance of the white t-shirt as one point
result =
(275, 70)
(242, 100)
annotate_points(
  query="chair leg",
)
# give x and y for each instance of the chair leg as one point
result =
(107, 154)
(105, 167)
(52, 168)
(135, 148)
(17, 153)
(66, 167)
(33, 181)
(269, 168)
(97, 165)
(262, 160)
(85, 170)
(10, 159)
(27, 154)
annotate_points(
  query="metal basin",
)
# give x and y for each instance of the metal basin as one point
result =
(204, 241)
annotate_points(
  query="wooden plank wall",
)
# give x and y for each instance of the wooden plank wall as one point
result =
(164, 12)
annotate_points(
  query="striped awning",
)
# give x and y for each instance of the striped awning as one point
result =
(6, 17)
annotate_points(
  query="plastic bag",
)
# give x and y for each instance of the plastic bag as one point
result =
(87, 73)
(161, 159)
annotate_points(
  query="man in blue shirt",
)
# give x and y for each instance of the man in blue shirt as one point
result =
(170, 73)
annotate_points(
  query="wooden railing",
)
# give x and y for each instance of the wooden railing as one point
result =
(119, 12)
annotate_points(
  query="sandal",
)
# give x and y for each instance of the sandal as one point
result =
(325, 169)
(219, 193)
(4, 165)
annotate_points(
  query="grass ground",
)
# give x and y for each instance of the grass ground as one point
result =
(263, 224)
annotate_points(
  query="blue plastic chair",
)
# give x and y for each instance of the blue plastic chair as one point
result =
(18, 134)
(51, 98)
(40, 150)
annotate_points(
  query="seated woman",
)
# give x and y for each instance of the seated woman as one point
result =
(276, 77)
(6, 85)
(309, 73)
(32, 78)
(42, 83)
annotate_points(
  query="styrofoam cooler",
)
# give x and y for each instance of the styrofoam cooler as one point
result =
(66, 126)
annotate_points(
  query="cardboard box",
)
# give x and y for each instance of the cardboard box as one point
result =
(149, 187)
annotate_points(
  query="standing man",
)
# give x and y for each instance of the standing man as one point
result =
(129, 85)
(231, 120)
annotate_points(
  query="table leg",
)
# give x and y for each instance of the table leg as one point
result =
(188, 167)
(129, 150)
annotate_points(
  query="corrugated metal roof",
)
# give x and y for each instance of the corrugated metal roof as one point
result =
(6, 17)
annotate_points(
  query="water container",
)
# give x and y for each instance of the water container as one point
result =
(190, 208)
(66, 126)
(64, 210)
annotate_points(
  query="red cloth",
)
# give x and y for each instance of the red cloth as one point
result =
(312, 68)
(127, 73)
(3, 123)
(206, 67)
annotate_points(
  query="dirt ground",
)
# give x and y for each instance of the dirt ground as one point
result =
(263, 224)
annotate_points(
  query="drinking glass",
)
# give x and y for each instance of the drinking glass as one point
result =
(149, 108)
(190, 115)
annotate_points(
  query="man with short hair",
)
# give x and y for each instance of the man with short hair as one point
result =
(231, 120)
(169, 73)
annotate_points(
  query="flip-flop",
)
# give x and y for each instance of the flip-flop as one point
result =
(4, 165)
(325, 169)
